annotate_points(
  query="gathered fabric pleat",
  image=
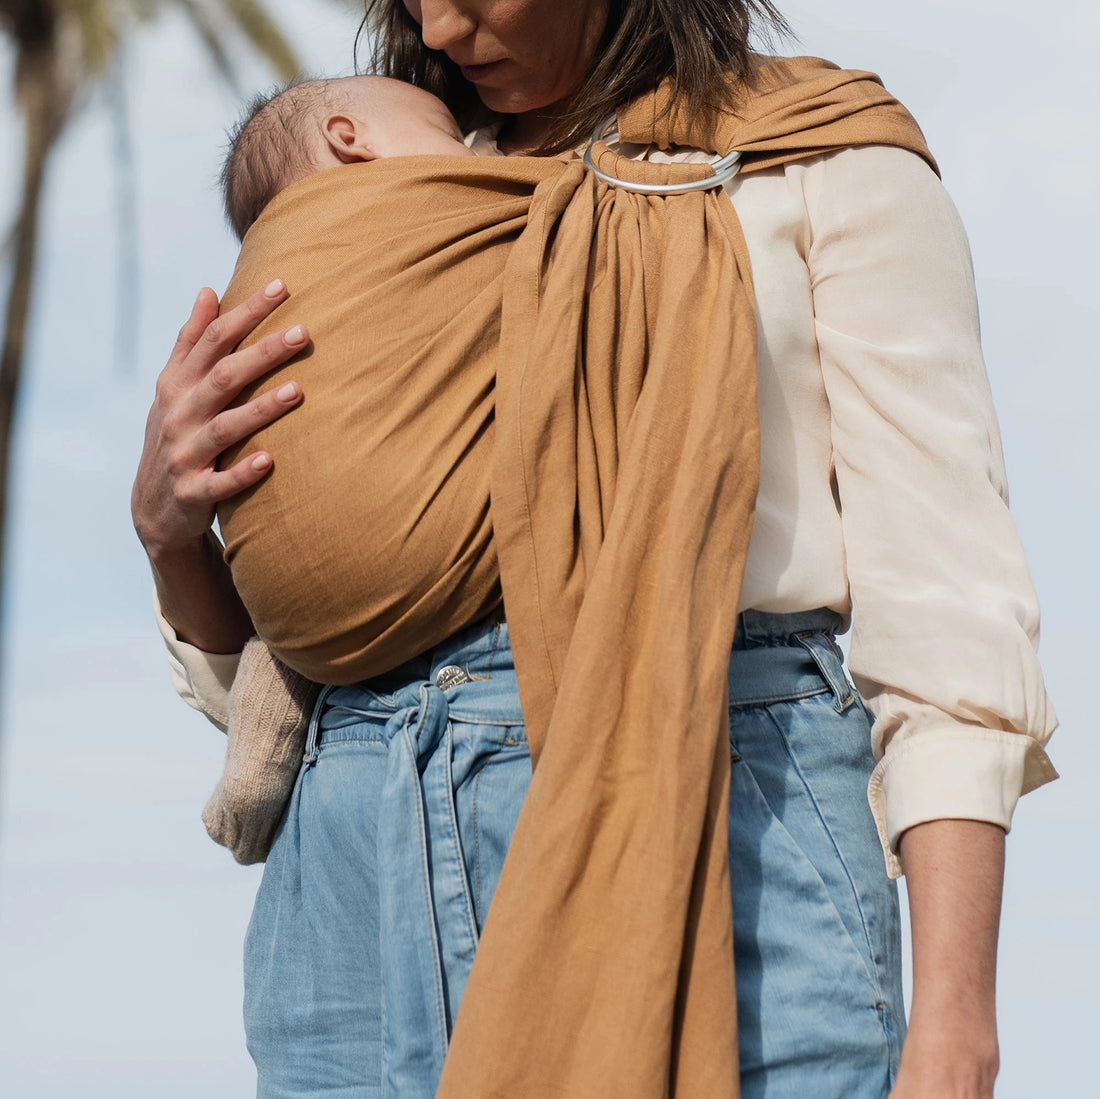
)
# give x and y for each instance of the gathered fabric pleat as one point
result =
(605, 626)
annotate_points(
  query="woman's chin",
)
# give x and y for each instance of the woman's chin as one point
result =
(515, 102)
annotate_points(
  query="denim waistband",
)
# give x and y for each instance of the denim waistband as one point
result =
(757, 628)
(473, 671)
(784, 657)
(775, 657)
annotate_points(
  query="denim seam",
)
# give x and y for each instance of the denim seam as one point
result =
(313, 734)
(458, 863)
(492, 653)
(461, 717)
(477, 848)
(359, 738)
(872, 968)
(891, 1030)
(787, 696)
(383, 1060)
(376, 715)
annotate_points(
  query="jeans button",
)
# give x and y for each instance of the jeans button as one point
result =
(450, 676)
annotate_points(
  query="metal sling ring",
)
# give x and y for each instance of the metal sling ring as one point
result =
(724, 169)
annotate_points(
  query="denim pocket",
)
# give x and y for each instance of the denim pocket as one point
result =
(815, 917)
(775, 818)
(492, 770)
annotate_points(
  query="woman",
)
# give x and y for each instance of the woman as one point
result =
(881, 494)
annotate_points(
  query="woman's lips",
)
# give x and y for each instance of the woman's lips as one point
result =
(476, 73)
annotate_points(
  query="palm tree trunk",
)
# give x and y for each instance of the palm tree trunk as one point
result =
(44, 101)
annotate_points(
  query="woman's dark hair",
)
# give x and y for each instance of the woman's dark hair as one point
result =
(699, 44)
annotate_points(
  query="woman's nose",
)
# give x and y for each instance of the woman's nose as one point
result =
(444, 22)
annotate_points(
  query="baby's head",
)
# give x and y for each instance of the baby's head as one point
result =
(320, 124)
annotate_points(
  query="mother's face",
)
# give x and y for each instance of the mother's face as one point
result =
(521, 55)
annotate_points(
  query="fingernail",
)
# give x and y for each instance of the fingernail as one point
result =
(261, 462)
(274, 289)
(294, 335)
(287, 392)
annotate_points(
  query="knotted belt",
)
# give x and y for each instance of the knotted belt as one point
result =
(423, 888)
(427, 913)
(530, 381)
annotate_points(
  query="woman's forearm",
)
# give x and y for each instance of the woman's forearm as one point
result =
(197, 597)
(955, 872)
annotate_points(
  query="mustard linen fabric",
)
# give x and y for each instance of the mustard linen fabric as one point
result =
(556, 417)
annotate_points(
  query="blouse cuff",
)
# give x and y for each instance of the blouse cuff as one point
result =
(956, 774)
(201, 679)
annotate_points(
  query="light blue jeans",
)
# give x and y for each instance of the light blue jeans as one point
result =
(382, 872)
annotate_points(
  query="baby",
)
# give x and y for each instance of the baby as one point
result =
(325, 123)
(282, 139)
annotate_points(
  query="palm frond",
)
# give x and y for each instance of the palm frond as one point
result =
(203, 24)
(97, 29)
(265, 35)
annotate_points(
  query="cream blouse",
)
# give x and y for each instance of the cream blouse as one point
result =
(882, 491)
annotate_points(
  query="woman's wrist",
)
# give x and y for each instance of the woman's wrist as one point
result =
(197, 597)
(954, 874)
(172, 554)
(937, 1061)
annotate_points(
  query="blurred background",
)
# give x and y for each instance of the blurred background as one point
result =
(120, 923)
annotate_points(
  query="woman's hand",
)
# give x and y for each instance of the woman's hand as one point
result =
(947, 1059)
(178, 483)
(954, 870)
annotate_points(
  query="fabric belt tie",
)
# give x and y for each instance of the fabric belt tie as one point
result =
(430, 945)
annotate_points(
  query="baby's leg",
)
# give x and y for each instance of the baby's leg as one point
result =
(269, 711)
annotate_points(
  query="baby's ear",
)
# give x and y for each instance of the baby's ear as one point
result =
(347, 137)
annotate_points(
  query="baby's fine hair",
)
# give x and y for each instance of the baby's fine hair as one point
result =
(268, 149)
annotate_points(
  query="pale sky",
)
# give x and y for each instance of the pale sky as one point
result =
(120, 922)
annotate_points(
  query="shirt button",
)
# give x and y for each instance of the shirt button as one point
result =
(450, 676)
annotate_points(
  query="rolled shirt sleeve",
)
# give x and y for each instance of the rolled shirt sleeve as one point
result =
(945, 619)
(200, 678)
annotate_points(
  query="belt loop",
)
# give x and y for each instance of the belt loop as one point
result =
(309, 757)
(825, 653)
